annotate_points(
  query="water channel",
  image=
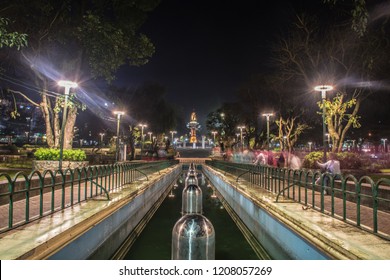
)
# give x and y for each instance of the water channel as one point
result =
(154, 243)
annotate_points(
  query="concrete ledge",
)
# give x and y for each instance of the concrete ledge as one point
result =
(299, 233)
(78, 232)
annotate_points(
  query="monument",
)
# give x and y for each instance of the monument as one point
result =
(193, 125)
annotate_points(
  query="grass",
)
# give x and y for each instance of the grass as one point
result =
(375, 177)
(11, 168)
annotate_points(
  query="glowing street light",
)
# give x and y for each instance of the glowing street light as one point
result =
(101, 138)
(150, 136)
(214, 132)
(142, 130)
(328, 139)
(267, 115)
(67, 85)
(323, 89)
(142, 135)
(310, 143)
(118, 117)
(172, 133)
(241, 128)
(384, 144)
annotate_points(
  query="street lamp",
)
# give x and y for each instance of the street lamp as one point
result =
(241, 128)
(384, 144)
(328, 139)
(173, 132)
(323, 89)
(142, 135)
(67, 85)
(310, 143)
(150, 136)
(118, 117)
(214, 132)
(267, 115)
(101, 138)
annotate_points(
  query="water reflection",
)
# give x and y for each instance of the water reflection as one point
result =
(155, 241)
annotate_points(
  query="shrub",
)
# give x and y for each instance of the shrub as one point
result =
(74, 155)
(310, 160)
(13, 150)
(347, 160)
(54, 154)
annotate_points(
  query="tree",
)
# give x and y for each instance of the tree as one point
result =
(144, 104)
(225, 121)
(337, 118)
(260, 94)
(11, 39)
(76, 35)
(331, 54)
(147, 104)
(289, 130)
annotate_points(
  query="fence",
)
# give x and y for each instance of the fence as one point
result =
(362, 203)
(25, 198)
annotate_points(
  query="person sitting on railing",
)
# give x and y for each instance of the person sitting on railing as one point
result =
(333, 167)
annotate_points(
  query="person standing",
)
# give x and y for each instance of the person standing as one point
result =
(281, 160)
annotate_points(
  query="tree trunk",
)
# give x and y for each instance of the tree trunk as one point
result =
(349, 123)
(69, 128)
(45, 107)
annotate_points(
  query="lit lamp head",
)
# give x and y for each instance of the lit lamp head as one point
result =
(323, 89)
(119, 113)
(67, 85)
(267, 115)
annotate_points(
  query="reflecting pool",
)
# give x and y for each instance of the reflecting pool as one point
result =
(154, 243)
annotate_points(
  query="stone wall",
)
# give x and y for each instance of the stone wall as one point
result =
(42, 165)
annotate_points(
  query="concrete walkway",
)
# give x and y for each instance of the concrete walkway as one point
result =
(337, 238)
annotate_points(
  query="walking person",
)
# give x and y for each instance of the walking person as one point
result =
(281, 160)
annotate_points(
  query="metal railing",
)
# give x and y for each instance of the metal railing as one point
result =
(362, 203)
(25, 198)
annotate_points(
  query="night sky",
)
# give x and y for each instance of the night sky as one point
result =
(206, 49)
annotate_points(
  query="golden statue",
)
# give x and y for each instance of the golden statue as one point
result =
(193, 117)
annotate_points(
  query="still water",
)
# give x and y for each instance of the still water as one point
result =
(155, 241)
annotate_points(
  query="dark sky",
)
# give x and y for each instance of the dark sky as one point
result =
(206, 49)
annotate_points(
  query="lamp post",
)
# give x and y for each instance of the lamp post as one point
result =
(241, 128)
(150, 136)
(118, 117)
(384, 144)
(172, 133)
(328, 139)
(323, 89)
(142, 136)
(67, 85)
(268, 115)
(101, 138)
(310, 143)
(214, 132)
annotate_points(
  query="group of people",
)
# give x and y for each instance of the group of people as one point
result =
(284, 159)
(291, 161)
